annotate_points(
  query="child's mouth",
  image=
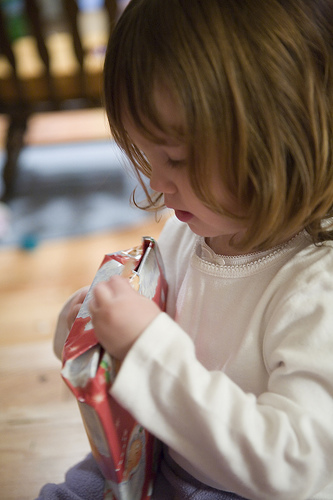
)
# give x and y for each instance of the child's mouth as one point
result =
(183, 216)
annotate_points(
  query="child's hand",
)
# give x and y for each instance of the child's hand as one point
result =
(75, 306)
(119, 315)
(66, 319)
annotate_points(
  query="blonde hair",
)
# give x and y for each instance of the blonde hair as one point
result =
(255, 82)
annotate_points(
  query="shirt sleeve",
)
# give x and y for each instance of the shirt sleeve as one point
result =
(275, 446)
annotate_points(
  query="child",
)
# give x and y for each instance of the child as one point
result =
(226, 106)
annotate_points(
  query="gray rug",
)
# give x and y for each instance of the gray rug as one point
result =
(69, 190)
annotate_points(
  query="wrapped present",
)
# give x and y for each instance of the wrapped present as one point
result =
(125, 452)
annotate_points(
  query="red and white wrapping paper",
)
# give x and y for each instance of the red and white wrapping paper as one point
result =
(124, 450)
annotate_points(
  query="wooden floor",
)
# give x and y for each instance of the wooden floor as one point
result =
(41, 434)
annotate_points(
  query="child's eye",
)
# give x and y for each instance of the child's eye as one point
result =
(176, 163)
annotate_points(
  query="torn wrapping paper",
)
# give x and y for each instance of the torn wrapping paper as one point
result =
(125, 452)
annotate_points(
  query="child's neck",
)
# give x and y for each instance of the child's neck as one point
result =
(221, 245)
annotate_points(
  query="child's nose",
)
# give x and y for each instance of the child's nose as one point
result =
(161, 182)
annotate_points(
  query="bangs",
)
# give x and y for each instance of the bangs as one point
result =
(138, 60)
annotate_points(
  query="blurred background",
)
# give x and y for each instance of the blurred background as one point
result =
(64, 203)
(60, 172)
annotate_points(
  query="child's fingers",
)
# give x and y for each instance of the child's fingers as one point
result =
(83, 294)
(72, 315)
(80, 296)
(75, 306)
(119, 284)
(102, 293)
(107, 290)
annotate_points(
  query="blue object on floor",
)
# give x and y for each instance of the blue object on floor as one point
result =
(29, 241)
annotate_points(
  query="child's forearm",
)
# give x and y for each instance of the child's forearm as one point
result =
(228, 438)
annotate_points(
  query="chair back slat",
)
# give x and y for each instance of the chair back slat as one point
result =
(71, 9)
(33, 14)
(45, 86)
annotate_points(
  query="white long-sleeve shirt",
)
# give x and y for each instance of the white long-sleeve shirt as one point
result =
(237, 378)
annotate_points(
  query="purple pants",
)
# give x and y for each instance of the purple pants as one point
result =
(85, 482)
(174, 483)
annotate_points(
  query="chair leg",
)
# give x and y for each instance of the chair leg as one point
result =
(15, 142)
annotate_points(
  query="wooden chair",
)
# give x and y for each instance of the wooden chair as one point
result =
(48, 70)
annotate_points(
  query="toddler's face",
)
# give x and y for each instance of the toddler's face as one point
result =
(169, 175)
